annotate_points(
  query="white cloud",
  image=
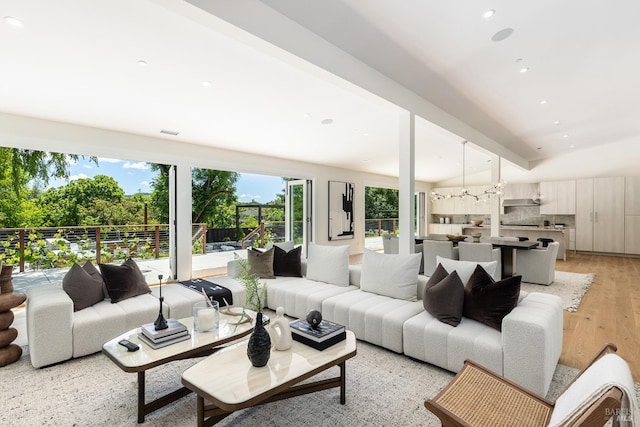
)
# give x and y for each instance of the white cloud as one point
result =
(250, 196)
(108, 160)
(136, 165)
(76, 177)
(144, 184)
(87, 166)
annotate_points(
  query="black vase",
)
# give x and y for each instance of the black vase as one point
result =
(259, 346)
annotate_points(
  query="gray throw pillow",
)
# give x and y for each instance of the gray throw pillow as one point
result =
(124, 281)
(443, 296)
(83, 285)
(261, 263)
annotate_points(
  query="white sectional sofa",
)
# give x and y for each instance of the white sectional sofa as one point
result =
(57, 333)
(526, 350)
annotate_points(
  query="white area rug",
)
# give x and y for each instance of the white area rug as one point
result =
(571, 287)
(383, 389)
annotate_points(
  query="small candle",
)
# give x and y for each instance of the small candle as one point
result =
(206, 319)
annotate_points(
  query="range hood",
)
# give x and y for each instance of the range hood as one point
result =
(519, 203)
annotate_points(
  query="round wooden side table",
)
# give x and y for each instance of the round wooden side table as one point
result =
(9, 353)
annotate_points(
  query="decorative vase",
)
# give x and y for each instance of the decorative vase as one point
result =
(259, 346)
(6, 285)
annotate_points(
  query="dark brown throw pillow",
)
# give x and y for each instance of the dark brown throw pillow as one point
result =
(287, 263)
(83, 285)
(261, 263)
(124, 281)
(488, 301)
(443, 296)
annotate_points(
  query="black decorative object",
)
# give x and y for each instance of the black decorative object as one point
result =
(160, 322)
(259, 346)
(314, 317)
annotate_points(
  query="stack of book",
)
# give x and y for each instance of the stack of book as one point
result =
(175, 332)
(321, 337)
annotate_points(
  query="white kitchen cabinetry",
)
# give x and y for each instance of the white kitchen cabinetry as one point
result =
(632, 215)
(445, 206)
(558, 198)
(600, 215)
(435, 228)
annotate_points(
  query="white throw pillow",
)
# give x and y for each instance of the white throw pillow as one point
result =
(465, 268)
(329, 264)
(391, 275)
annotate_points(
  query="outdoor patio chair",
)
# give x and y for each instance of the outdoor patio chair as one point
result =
(479, 397)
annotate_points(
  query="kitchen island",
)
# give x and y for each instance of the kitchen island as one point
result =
(560, 235)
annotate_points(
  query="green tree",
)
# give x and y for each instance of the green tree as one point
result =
(34, 165)
(86, 201)
(212, 192)
(380, 203)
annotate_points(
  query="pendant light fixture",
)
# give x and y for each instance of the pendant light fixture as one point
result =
(494, 190)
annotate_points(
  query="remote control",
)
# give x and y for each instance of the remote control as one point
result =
(129, 345)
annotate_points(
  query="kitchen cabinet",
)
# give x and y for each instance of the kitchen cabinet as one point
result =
(600, 215)
(435, 228)
(632, 195)
(632, 229)
(558, 198)
(445, 206)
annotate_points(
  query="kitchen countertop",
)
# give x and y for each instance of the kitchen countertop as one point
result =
(516, 227)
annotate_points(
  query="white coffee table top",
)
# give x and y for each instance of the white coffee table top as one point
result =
(228, 379)
(146, 357)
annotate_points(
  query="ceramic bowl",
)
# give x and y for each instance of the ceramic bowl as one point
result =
(456, 237)
(477, 222)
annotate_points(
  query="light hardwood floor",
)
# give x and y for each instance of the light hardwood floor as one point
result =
(609, 311)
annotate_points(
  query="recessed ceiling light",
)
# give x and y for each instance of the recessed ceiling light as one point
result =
(572, 146)
(142, 63)
(206, 84)
(566, 135)
(524, 70)
(14, 22)
(502, 34)
(557, 122)
(306, 115)
(544, 101)
(489, 13)
(327, 121)
(365, 134)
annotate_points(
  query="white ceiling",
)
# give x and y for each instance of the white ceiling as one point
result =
(76, 61)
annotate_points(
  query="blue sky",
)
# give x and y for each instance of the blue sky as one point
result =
(137, 176)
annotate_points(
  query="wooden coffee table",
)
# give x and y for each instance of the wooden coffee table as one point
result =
(227, 379)
(198, 344)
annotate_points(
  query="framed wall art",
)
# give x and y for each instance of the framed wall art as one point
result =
(340, 210)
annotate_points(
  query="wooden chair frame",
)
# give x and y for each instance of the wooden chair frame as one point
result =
(596, 414)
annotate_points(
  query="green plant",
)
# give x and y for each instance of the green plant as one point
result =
(255, 296)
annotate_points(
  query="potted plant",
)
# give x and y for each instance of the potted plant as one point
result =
(259, 345)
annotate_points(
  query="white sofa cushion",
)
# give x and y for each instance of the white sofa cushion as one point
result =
(391, 275)
(329, 264)
(465, 268)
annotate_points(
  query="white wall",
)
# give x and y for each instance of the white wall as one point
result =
(38, 134)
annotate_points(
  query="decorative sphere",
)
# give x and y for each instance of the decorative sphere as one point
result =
(314, 317)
